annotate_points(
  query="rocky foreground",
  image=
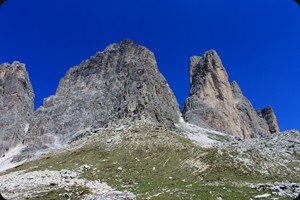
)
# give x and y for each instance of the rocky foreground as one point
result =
(66, 183)
(152, 162)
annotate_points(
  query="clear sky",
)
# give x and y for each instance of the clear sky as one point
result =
(258, 42)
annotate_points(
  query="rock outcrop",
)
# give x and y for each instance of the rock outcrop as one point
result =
(270, 117)
(215, 103)
(120, 85)
(112, 195)
(16, 105)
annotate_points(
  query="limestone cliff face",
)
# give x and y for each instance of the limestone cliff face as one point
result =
(120, 85)
(211, 100)
(215, 103)
(16, 105)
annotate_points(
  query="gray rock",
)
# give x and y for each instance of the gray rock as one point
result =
(16, 105)
(211, 100)
(118, 86)
(84, 167)
(270, 156)
(269, 115)
(69, 174)
(215, 103)
(114, 195)
(253, 123)
(281, 189)
(2, 198)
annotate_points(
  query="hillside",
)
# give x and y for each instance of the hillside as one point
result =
(155, 163)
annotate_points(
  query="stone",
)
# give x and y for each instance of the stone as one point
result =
(85, 167)
(21, 181)
(114, 195)
(2, 198)
(16, 105)
(120, 168)
(118, 86)
(216, 104)
(262, 196)
(109, 141)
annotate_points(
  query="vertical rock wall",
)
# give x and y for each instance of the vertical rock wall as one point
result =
(16, 105)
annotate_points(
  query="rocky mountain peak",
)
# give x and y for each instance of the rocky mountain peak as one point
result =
(116, 59)
(211, 100)
(16, 104)
(120, 85)
(215, 103)
(203, 69)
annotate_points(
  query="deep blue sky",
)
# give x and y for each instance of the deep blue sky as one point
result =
(258, 42)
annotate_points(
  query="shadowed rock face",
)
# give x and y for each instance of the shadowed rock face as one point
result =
(215, 103)
(120, 85)
(16, 105)
(269, 115)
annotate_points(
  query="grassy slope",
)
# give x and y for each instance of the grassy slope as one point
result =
(155, 163)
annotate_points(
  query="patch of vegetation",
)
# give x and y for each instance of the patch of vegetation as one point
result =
(296, 156)
(220, 138)
(224, 167)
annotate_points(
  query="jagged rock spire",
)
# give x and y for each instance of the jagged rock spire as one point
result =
(215, 103)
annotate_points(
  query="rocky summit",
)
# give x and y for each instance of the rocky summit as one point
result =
(120, 85)
(16, 105)
(215, 103)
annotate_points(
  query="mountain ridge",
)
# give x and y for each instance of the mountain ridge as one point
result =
(122, 84)
(114, 126)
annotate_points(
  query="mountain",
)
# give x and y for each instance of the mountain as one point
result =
(215, 103)
(120, 85)
(113, 130)
(16, 105)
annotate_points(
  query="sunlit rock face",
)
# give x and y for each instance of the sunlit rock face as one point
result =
(215, 103)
